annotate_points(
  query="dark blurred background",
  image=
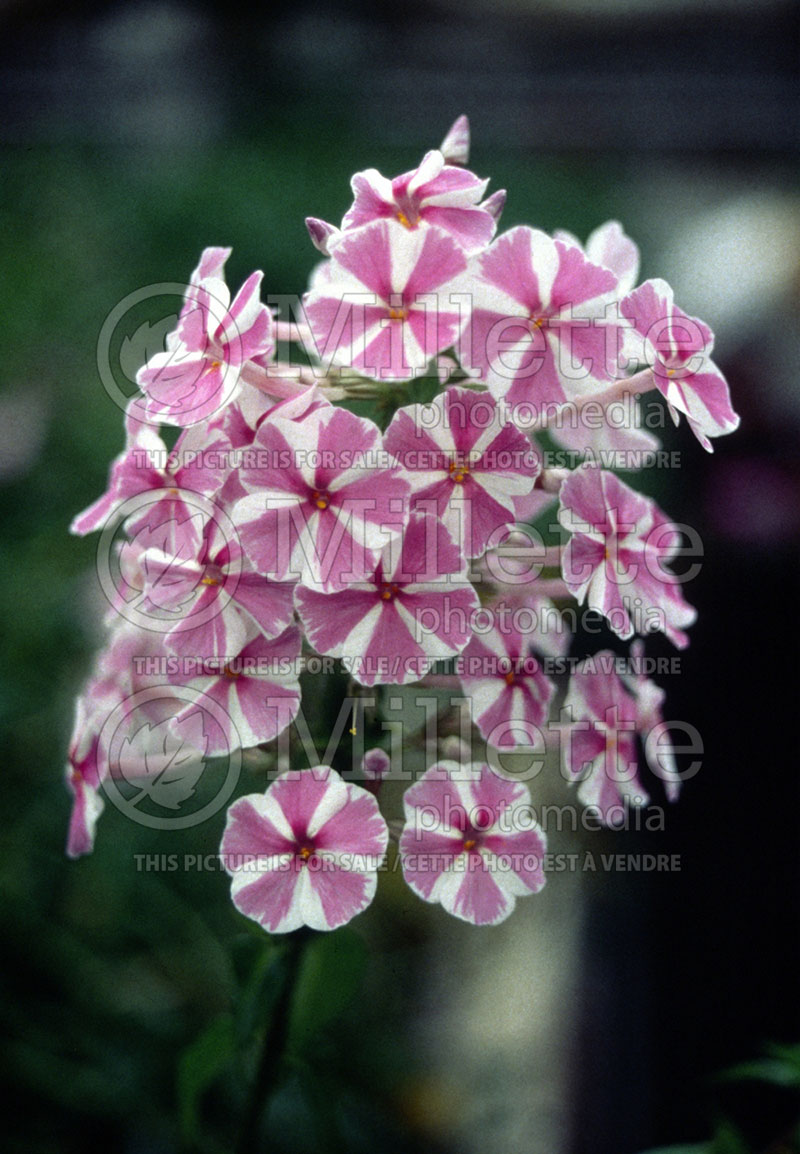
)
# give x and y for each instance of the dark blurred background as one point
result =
(595, 1020)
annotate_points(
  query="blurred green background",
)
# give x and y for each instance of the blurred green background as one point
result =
(230, 129)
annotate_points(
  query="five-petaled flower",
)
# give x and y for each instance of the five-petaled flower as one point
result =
(607, 713)
(471, 841)
(306, 852)
(324, 498)
(678, 349)
(434, 193)
(538, 332)
(465, 463)
(509, 693)
(200, 370)
(385, 307)
(616, 559)
(412, 611)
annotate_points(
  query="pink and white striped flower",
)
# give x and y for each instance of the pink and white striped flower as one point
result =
(209, 590)
(650, 725)
(384, 306)
(86, 768)
(616, 559)
(198, 464)
(465, 463)
(471, 842)
(414, 610)
(305, 853)
(434, 193)
(200, 370)
(608, 713)
(538, 333)
(257, 690)
(678, 349)
(119, 728)
(324, 498)
(600, 747)
(504, 681)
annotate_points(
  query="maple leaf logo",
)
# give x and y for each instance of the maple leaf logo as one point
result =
(167, 559)
(165, 761)
(148, 340)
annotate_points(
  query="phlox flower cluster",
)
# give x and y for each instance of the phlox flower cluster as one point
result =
(283, 524)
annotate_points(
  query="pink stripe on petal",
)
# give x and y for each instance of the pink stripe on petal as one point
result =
(424, 859)
(298, 793)
(357, 828)
(473, 228)
(269, 900)
(343, 894)
(250, 833)
(479, 899)
(493, 793)
(507, 264)
(577, 279)
(439, 261)
(366, 254)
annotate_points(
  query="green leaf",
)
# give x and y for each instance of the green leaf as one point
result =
(780, 1068)
(201, 1064)
(728, 1139)
(332, 971)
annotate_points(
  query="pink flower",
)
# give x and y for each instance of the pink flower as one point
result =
(600, 751)
(121, 730)
(617, 555)
(510, 694)
(471, 842)
(610, 247)
(678, 349)
(435, 193)
(383, 307)
(414, 610)
(86, 768)
(257, 690)
(202, 590)
(466, 463)
(324, 498)
(538, 333)
(200, 370)
(608, 713)
(198, 464)
(305, 853)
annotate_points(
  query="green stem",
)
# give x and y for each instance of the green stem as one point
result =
(273, 1045)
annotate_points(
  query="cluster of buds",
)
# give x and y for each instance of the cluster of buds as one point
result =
(283, 528)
